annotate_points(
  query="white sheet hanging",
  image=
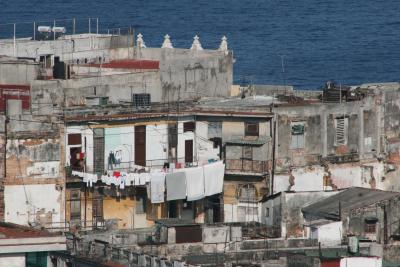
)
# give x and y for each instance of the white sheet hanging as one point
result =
(214, 178)
(157, 187)
(194, 183)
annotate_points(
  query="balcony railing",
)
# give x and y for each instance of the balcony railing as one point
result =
(246, 166)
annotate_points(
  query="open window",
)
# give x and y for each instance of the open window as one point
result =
(297, 135)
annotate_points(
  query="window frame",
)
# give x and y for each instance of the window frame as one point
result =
(248, 132)
(341, 122)
(297, 140)
(189, 126)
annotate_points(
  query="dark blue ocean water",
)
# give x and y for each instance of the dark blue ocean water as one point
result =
(351, 41)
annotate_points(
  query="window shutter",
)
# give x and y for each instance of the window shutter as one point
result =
(341, 125)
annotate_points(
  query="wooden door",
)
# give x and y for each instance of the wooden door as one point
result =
(188, 151)
(140, 145)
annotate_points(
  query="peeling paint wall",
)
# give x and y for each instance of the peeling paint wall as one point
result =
(284, 212)
(362, 136)
(309, 178)
(34, 158)
(329, 234)
(25, 204)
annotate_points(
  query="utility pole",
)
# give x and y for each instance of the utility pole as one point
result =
(283, 71)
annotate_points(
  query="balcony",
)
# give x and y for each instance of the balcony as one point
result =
(246, 167)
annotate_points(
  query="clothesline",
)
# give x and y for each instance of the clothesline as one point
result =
(167, 184)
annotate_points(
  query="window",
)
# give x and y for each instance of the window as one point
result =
(141, 100)
(75, 205)
(246, 214)
(247, 193)
(341, 128)
(141, 202)
(214, 129)
(251, 129)
(297, 135)
(98, 150)
(189, 126)
(266, 212)
(370, 227)
(97, 209)
(247, 152)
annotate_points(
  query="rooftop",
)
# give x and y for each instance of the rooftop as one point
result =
(349, 199)
(10, 230)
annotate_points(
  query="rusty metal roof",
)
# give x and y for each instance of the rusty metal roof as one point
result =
(10, 230)
(256, 142)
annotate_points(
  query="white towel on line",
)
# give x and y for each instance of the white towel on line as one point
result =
(194, 183)
(214, 178)
(157, 187)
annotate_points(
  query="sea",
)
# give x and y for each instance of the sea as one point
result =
(295, 42)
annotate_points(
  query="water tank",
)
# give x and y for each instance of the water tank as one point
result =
(59, 29)
(44, 29)
(353, 244)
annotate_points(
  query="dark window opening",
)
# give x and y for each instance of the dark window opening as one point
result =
(141, 100)
(217, 142)
(188, 151)
(76, 161)
(189, 126)
(98, 150)
(141, 201)
(370, 228)
(140, 145)
(251, 129)
(75, 206)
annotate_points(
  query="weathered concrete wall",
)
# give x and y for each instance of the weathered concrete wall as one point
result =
(285, 212)
(18, 72)
(33, 158)
(329, 234)
(310, 178)
(187, 74)
(319, 134)
(12, 260)
(69, 47)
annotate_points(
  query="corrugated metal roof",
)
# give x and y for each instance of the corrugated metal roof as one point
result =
(352, 198)
(256, 142)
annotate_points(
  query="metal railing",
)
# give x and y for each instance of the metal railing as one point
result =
(246, 166)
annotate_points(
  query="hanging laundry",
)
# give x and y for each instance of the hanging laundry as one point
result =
(122, 180)
(144, 178)
(76, 173)
(157, 187)
(194, 183)
(214, 178)
(176, 185)
(136, 179)
(111, 160)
